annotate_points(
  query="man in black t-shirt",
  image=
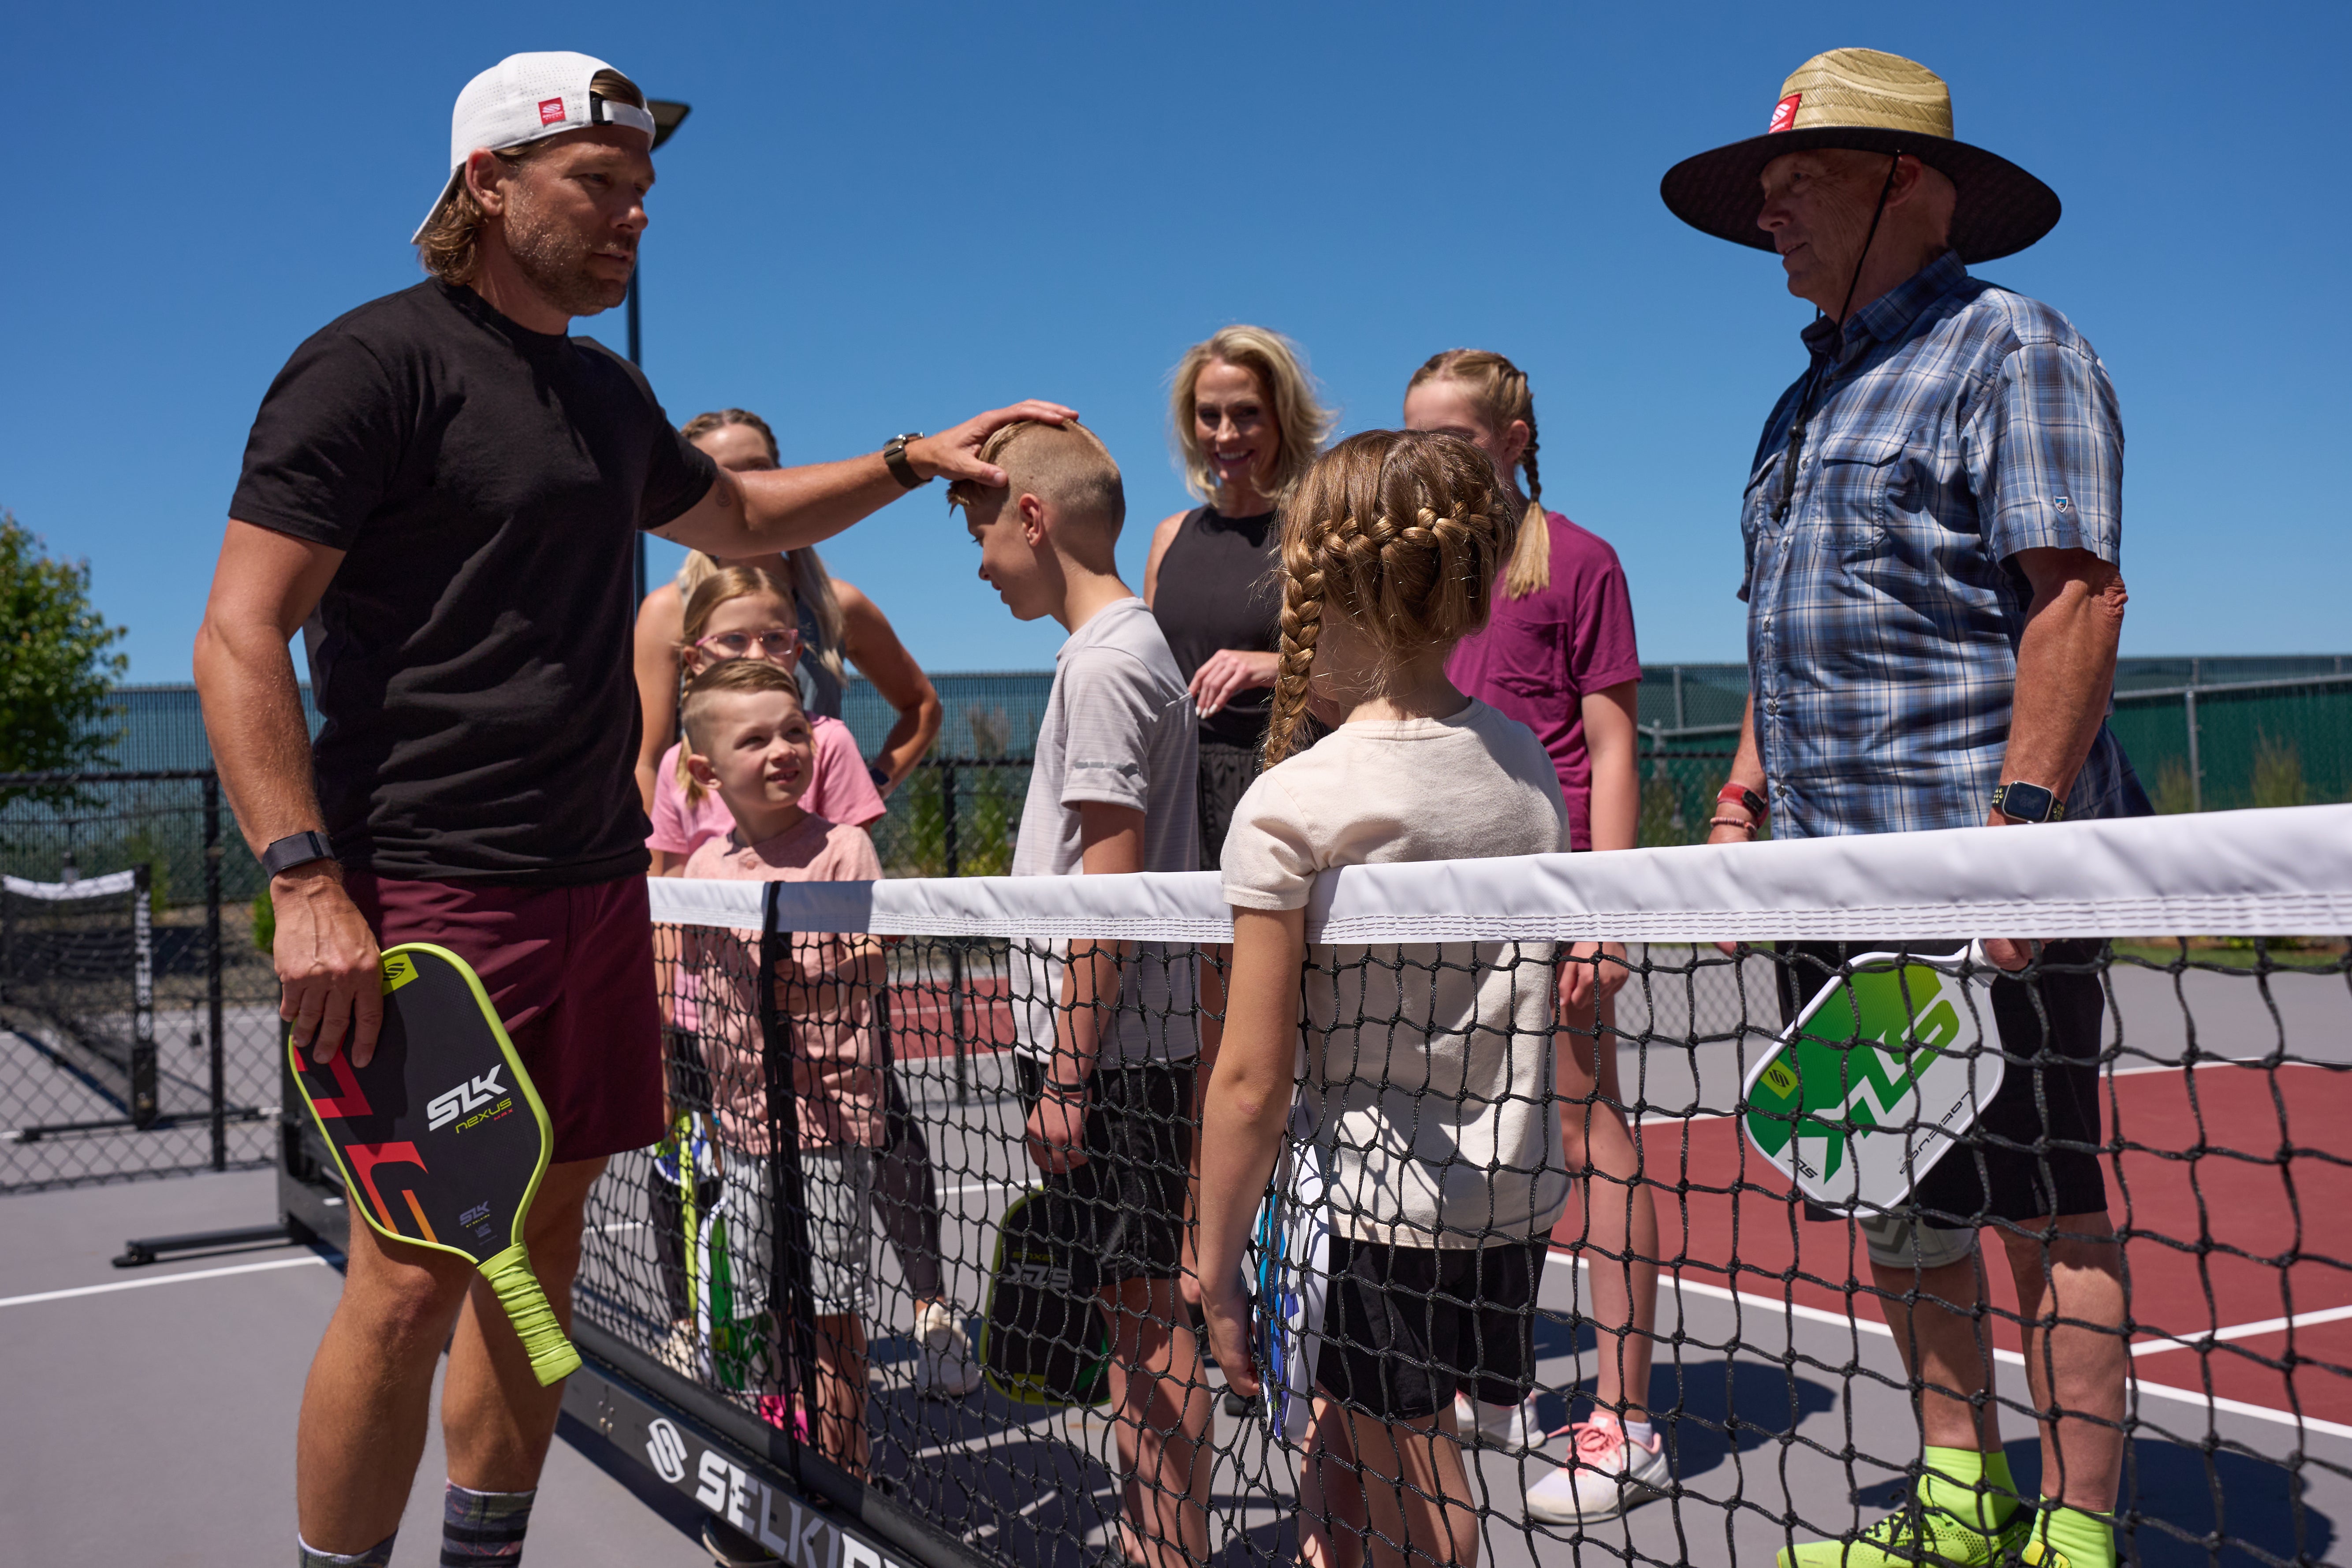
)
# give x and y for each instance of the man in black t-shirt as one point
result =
(442, 491)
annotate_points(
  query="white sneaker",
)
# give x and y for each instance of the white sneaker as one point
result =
(1508, 1427)
(948, 1370)
(1606, 1475)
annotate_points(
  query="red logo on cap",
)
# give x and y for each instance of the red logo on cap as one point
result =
(1784, 114)
(551, 112)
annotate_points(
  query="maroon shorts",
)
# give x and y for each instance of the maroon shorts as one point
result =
(571, 971)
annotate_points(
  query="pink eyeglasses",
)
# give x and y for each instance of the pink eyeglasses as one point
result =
(777, 647)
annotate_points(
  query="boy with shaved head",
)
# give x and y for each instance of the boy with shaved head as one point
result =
(1106, 1055)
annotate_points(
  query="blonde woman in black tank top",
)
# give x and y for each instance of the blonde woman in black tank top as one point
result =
(1247, 425)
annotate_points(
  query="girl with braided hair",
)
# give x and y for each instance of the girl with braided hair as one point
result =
(1424, 1099)
(1558, 655)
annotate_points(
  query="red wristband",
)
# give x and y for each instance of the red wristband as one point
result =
(1746, 799)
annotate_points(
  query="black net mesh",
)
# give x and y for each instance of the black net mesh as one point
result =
(132, 969)
(77, 993)
(2119, 1268)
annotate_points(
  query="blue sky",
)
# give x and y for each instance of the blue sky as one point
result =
(870, 225)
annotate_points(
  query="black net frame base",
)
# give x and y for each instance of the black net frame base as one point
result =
(755, 1478)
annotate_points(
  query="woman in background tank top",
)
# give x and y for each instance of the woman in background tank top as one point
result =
(1247, 425)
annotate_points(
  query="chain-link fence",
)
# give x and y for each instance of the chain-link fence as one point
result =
(138, 1020)
(2253, 744)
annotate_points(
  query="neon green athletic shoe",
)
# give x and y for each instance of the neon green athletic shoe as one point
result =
(1914, 1536)
(2090, 1541)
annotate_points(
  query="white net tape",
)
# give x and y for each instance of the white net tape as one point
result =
(2223, 874)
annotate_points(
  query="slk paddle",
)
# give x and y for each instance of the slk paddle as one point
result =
(441, 1138)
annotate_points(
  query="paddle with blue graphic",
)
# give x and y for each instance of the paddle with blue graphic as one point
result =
(1881, 1075)
(441, 1138)
(1292, 1272)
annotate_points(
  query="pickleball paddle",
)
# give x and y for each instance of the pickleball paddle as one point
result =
(1292, 1243)
(441, 1138)
(1042, 1342)
(1881, 1075)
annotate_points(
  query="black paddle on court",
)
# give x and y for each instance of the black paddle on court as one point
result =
(441, 1138)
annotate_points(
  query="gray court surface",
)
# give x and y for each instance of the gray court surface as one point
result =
(156, 1424)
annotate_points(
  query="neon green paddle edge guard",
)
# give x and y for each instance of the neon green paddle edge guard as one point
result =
(552, 1359)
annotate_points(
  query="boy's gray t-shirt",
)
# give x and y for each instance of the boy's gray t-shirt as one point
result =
(1115, 729)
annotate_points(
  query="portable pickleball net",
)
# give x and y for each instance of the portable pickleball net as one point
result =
(1755, 1082)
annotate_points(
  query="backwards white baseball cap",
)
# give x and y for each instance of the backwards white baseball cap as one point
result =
(525, 99)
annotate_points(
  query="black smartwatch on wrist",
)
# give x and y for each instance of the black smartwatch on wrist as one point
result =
(296, 849)
(2022, 802)
(880, 775)
(894, 458)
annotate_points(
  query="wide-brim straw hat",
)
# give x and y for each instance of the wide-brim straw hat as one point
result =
(1869, 102)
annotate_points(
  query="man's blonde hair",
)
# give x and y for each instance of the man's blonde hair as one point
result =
(1065, 465)
(451, 245)
(1301, 420)
(735, 675)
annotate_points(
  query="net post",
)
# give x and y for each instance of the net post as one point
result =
(216, 1076)
(953, 856)
(955, 1019)
(142, 1001)
(787, 1187)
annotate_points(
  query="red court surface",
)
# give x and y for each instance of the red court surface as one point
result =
(2235, 1189)
(924, 1016)
(2255, 1209)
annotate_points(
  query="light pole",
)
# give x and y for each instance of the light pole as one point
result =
(667, 117)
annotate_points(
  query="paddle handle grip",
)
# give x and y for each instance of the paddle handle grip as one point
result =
(552, 1359)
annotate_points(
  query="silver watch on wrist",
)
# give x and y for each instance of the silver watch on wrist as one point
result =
(2022, 802)
(894, 458)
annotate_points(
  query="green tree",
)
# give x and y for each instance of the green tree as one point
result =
(55, 672)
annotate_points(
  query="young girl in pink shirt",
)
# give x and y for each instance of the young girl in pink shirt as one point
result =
(752, 747)
(743, 612)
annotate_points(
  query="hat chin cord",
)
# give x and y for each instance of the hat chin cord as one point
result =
(1894, 164)
(1814, 381)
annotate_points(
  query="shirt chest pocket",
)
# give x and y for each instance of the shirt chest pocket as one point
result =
(1855, 481)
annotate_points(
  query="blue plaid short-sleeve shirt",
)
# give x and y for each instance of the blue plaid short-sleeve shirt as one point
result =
(1955, 424)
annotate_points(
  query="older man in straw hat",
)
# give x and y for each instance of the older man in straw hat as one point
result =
(1933, 526)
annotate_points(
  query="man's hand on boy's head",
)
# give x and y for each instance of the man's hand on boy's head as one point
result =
(954, 453)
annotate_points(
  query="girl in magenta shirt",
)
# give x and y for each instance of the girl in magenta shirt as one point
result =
(1558, 656)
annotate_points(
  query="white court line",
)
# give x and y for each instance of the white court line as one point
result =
(162, 1279)
(979, 1533)
(1864, 1325)
(2241, 1331)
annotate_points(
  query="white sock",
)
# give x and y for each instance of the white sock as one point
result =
(1638, 1433)
(376, 1556)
